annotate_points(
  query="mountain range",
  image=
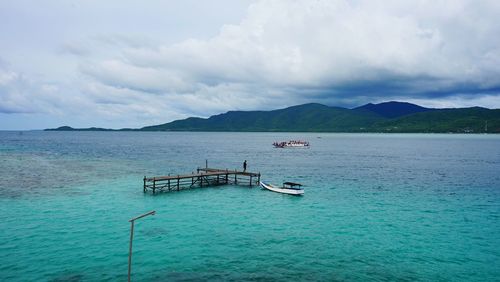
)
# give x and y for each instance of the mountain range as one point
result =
(390, 117)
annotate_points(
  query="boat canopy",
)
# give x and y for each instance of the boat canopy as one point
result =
(292, 185)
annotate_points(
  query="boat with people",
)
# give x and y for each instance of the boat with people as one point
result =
(291, 143)
(290, 188)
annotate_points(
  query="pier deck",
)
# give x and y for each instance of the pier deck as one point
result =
(204, 177)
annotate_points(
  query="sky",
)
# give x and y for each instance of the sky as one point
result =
(131, 63)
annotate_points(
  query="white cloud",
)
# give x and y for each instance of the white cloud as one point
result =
(12, 96)
(7, 76)
(121, 74)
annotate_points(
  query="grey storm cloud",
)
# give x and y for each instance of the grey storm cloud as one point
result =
(420, 49)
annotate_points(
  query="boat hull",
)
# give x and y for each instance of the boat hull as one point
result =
(291, 144)
(270, 187)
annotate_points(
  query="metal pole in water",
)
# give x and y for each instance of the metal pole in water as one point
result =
(130, 249)
(132, 238)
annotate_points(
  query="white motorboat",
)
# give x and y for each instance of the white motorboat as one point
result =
(290, 188)
(291, 143)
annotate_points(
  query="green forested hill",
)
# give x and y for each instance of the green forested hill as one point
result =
(321, 118)
(469, 120)
(383, 117)
(308, 117)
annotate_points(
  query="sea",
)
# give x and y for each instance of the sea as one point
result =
(377, 207)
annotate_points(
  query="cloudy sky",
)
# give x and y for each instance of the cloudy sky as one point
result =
(131, 63)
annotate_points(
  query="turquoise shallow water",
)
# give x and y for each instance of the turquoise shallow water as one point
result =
(377, 207)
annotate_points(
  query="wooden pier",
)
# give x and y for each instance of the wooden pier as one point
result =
(204, 177)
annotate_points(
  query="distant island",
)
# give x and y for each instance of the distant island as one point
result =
(389, 117)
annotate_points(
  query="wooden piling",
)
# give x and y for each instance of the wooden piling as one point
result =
(154, 185)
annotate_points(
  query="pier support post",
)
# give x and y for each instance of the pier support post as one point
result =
(250, 181)
(144, 184)
(154, 185)
(177, 182)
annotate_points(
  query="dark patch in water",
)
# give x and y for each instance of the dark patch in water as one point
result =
(68, 278)
(157, 231)
(217, 276)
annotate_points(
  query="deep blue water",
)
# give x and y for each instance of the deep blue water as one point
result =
(380, 207)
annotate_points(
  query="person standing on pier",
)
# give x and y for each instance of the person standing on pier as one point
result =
(245, 166)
